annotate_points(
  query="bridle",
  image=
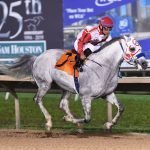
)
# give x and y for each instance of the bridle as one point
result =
(135, 56)
(94, 62)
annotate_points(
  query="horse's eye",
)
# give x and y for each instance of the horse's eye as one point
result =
(132, 49)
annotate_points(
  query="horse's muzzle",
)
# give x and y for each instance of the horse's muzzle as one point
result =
(144, 65)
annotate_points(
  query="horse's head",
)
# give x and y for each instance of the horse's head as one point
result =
(133, 53)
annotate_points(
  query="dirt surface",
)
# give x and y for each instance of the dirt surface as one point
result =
(40, 140)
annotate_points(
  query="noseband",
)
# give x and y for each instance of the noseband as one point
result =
(134, 58)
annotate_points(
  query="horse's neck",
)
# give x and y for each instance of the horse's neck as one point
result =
(104, 66)
(111, 55)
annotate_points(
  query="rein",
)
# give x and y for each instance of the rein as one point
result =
(121, 45)
(95, 62)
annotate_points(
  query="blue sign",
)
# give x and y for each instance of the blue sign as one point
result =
(77, 10)
(146, 47)
(124, 25)
(145, 2)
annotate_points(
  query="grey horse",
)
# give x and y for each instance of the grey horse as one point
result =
(98, 79)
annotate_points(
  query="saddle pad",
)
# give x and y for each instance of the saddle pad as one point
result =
(66, 63)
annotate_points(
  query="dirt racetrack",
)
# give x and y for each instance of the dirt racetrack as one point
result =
(39, 140)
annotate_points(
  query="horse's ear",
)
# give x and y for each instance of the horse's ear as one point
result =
(127, 38)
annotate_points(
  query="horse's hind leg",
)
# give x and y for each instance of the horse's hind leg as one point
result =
(113, 100)
(64, 105)
(42, 90)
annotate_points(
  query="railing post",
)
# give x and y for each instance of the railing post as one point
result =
(17, 113)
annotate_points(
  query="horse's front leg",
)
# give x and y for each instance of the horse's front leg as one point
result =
(113, 100)
(64, 105)
(86, 104)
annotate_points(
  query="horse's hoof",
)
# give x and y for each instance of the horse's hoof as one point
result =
(48, 126)
(67, 118)
(108, 125)
(80, 131)
(80, 128)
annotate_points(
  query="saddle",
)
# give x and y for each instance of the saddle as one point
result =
(69, 62)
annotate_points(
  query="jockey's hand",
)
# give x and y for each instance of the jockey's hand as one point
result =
(82, 56)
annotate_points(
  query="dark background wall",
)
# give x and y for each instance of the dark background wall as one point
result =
(32, 20)
(53, 23)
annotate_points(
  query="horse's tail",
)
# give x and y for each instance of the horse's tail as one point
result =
(20, 68)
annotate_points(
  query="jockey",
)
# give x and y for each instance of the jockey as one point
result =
(91, 39)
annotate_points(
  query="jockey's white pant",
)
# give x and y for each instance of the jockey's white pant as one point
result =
(92, 47)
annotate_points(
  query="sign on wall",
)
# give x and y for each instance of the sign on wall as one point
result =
(83, 9)
(26, 27)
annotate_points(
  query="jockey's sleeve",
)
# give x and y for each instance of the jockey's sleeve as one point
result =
(108, 38)
(85, 38)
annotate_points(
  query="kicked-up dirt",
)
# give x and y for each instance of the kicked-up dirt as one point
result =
(40, 140)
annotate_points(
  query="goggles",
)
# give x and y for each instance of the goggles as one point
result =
(107, 28)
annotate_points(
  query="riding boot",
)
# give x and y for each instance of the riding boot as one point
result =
(79, 64)
(87, 52)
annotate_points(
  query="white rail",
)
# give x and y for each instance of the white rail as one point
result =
(6, 83)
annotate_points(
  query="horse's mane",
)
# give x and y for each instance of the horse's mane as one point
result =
(109, 43)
